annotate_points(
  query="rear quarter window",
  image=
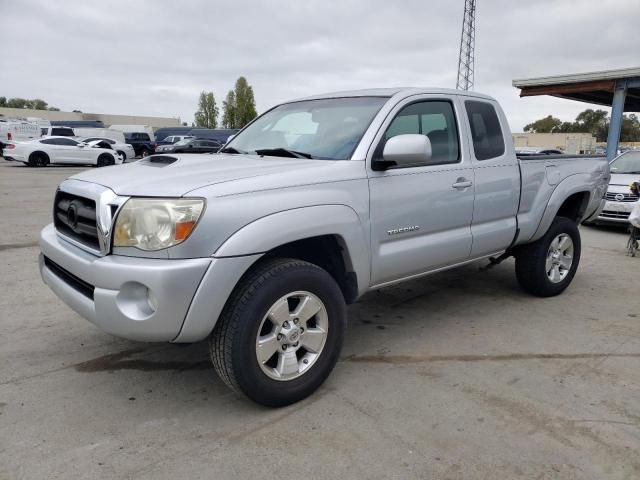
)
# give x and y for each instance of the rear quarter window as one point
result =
(486, 131)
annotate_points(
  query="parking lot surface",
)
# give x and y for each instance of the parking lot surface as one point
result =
(455, 375)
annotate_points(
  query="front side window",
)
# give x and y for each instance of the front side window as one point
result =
(328, 129)
(485, 130)
(436, 120)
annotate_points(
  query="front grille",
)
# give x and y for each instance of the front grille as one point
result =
(626, 197)
(75, 217)
(616, 215)
(70, 279)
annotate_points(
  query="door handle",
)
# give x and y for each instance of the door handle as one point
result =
(462, 183)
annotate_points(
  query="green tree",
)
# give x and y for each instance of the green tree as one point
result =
(53, 109)
(630, 131)
(18, 103)
(3, 101)
(37, 104)
(547, 124)
(229, 110)
(245, 106)
(595, 122)
(207, 114)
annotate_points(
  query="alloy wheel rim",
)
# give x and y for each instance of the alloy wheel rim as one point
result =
(559, 258)
(292, 336)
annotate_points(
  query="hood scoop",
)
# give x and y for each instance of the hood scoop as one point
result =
(158, 161)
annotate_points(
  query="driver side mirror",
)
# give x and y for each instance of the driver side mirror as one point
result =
(404, 151)
(81, 145)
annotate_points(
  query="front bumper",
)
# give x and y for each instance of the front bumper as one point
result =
(616, 212)
(143, 299)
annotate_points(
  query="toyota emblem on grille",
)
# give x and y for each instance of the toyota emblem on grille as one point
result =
(619, 197)
(72, 216)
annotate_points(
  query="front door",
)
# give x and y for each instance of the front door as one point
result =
(421, 215)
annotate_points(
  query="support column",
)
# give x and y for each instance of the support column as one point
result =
(615, 125)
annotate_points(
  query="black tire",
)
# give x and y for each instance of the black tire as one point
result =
(233, 341)
(145, 153)
(105, 160)
(122, 154)
(38, 159)
(531, 260)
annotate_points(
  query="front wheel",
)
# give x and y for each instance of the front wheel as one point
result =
(280, 333)
(547, 266)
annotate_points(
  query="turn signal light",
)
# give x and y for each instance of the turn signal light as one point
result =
(183, 230)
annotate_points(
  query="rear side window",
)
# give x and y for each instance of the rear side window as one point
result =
(66, 142)
(485, 130)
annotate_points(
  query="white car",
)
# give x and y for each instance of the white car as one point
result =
(124, 149)
(61, 150)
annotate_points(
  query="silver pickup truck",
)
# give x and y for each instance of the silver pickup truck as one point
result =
(259, 247)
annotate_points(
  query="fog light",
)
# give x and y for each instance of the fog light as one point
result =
(136, 301)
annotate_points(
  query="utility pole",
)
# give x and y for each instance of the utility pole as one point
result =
(467, 47)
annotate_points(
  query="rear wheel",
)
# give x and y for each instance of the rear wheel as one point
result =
(145, 153)
(547, 266)
(38, 159)
(280, 333)
(104, 160)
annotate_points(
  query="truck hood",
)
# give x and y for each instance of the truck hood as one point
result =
(178, 175)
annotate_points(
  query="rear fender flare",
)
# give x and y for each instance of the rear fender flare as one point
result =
(567, 187)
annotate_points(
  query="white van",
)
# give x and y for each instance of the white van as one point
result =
(116, 135)
(135, 129)
(17, 130)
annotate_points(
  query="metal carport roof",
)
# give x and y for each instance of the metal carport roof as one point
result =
(619, 89)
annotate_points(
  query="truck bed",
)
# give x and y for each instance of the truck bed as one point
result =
(547, 177)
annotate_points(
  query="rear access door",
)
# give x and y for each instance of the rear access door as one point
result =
(497, 176)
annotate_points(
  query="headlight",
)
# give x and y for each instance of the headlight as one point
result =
(156, 223)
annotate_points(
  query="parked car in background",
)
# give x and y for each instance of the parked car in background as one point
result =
(625, 169)
(116, 135)
(62, 150)
(135, 129)
(171, 139)
(164, 132)
(312, 205)
(191, 145)
(125, 150)
(141, 142)
(57, 132)
(17, 131)
(219, 134)
(538, 151)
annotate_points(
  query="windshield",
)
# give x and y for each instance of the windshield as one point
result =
(326, 129)
(628, 162)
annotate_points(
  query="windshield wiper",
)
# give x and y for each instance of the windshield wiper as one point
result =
(278, 152)
(230, 150)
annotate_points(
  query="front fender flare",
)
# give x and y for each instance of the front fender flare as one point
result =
(271, 231)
